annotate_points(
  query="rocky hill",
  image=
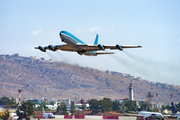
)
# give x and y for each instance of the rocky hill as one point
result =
(46, 78)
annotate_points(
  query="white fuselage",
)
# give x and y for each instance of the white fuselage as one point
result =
(70, 39)
(177, 115)
(48, 115)
(148, 114)
(73, 41)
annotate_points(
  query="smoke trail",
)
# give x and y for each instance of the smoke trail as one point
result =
(131, 66)
(119, 60)
(154, 64)
(58, 58)
(51, 56)
(140, 60)
(54, 58)
(158, 70)
(63, 57)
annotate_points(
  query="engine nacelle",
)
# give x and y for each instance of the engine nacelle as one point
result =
(42, 49)
(80, 53)
(52, 48)
(119, 47)
(101, 47)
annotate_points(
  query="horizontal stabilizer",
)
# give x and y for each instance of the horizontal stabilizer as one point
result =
(104, 53)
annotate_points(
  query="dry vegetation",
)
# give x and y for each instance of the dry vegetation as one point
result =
(40, 78)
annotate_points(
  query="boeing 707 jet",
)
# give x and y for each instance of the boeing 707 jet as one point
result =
(147, 114)
(73, 44)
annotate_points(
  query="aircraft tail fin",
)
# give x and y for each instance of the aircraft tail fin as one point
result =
(174, 109)
(96, 39)
(138, 106)
(43, 110)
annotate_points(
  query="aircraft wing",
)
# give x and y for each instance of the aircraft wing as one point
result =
(128, 114)
(122, 46)
(64, 47)
(87, 47)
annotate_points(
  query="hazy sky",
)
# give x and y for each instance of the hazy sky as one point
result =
(154, 24)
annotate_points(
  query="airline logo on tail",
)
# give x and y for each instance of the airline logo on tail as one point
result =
(138, 106)
(47, 115)
(43, 110)
(174, 109)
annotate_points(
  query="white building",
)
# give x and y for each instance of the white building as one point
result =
(52, 107)
(31, 100)
(79, 105)
(66, 101)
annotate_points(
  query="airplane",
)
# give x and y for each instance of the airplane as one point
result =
(175, 111)
(147, 114)
(73, 44)
(47, 115)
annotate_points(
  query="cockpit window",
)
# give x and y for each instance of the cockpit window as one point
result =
(63, 31)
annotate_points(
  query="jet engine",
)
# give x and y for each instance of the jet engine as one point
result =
(119, 47)
(52, 48)
(79, 52)
(42, 49)
(101, 47)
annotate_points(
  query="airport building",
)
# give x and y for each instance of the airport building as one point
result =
(66, 101)
(37, 101)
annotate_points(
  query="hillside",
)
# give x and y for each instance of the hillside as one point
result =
(45, 78)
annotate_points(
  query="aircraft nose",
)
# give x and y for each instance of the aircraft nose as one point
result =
(60, 32)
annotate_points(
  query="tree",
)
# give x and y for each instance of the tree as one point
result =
(52, 103)
(105, 105)
(109, 103)
(42, 105)
(116, 106)
(58, 108)
(26, 110)
(63, 108)
(130, 106)
(144, 105)
(83, 106)
(168, 107)
(72, 107)
(102, 105)
(6, 115)
(94, 106)
(12, 102)
(154, 109)
(8, 101)
(4, 100)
